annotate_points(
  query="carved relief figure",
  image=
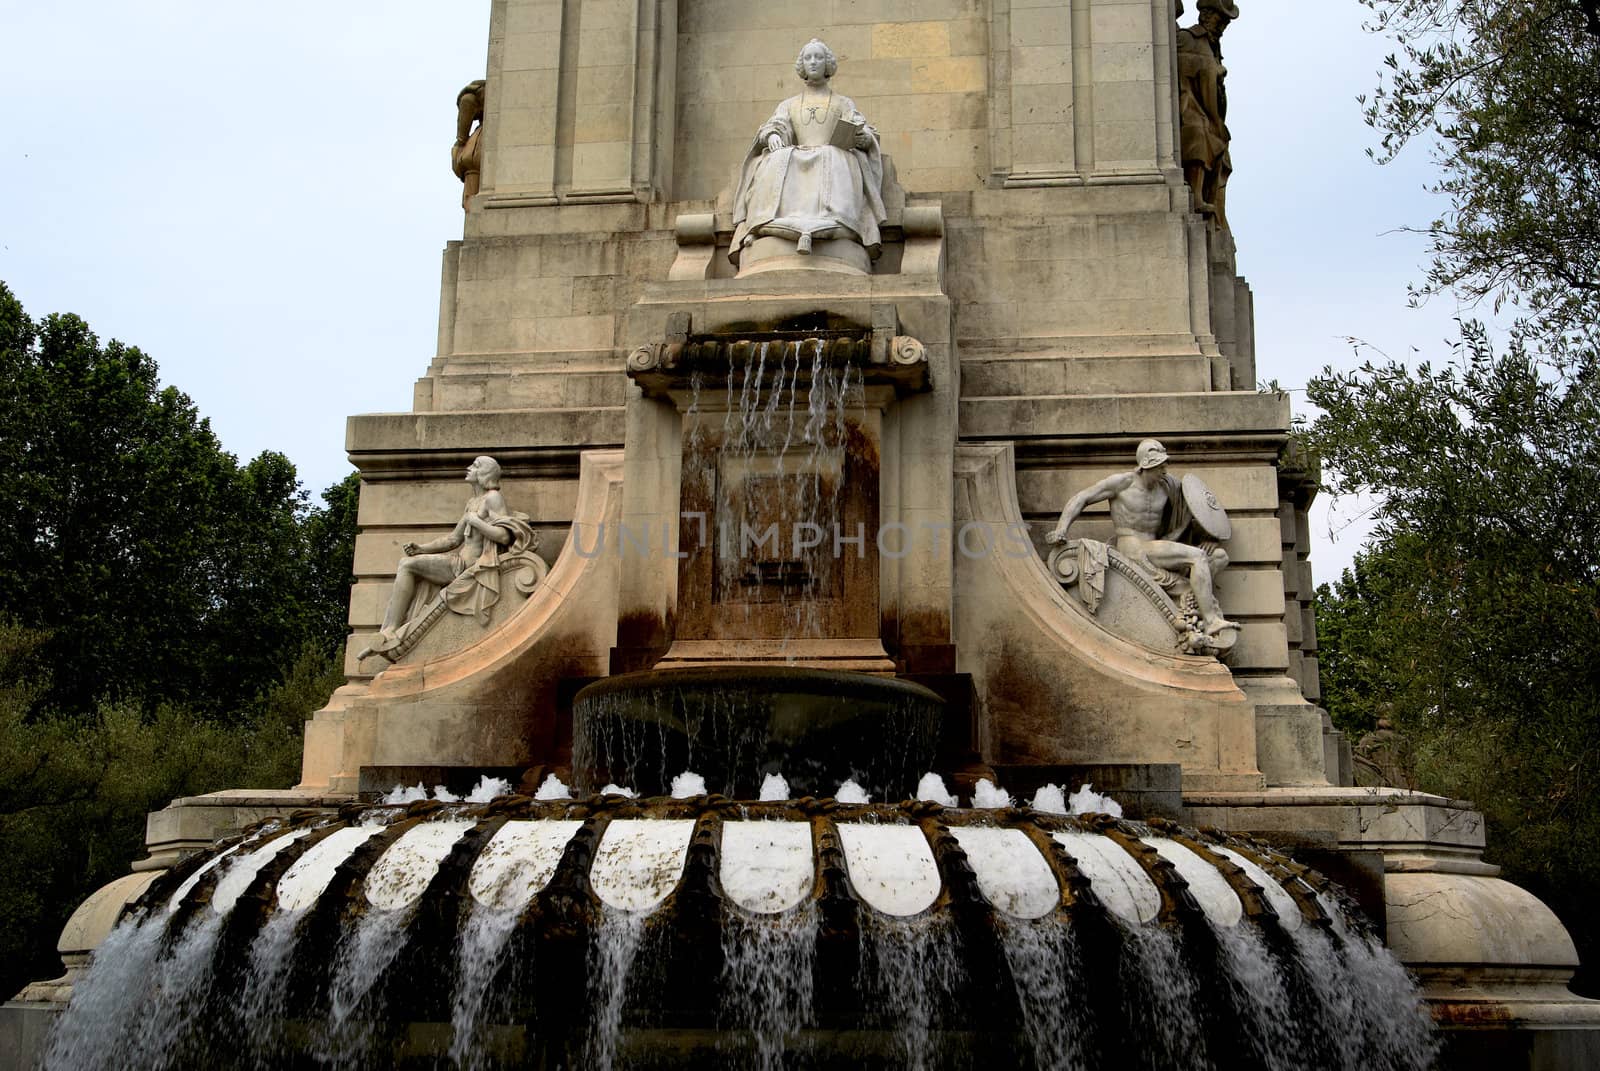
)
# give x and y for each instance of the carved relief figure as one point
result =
(815, 169)
(466, 564)
(466, 155)
(1203, 104)
(1153, 513)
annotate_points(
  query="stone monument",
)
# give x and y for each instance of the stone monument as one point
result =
(900, 346)
(459, 572)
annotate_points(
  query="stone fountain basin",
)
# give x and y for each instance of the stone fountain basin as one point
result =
(734, 725)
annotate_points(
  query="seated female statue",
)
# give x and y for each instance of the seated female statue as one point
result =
(814, 171)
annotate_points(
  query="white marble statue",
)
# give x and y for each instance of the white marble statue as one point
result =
(459, 572)
(1153, 513)
(814, 170)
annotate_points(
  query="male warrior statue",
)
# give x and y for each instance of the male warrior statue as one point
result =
(1203, 108)
(1150, 513)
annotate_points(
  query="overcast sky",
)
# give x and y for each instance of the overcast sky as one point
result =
(257, 196)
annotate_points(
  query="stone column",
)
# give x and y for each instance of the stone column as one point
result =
(582, 101)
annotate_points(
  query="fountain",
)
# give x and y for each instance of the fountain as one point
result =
(820, 512)
(616, 932)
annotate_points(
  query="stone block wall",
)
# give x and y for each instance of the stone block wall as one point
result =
(599, 100)
(918, 70)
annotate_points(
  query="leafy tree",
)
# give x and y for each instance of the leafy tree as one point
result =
(75, 788)
(1508, 94)
(159, 567)
(168, 617)
(330, 535)
(1472, 619)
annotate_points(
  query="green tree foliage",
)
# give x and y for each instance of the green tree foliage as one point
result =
(168, 618)
(1472, 619)
(1508, 94)
(159, 567)
(75, 789)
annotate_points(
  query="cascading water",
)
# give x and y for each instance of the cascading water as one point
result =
(786, 428)
(613, 932)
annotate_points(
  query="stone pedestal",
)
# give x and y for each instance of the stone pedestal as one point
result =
(1494, 962)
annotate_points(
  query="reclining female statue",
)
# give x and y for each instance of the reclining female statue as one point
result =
(463, 567)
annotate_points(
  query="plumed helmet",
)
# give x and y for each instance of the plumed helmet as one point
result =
(1150, 454)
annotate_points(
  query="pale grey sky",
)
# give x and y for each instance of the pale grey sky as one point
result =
(257, 196)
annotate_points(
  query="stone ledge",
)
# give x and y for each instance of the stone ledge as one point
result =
(498, 431)
(1216, 415)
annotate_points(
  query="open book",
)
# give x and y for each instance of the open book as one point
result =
(844, 133)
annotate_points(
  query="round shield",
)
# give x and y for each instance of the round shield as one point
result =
(1209, 516)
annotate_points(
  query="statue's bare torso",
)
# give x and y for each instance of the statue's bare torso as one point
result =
(1137, 509)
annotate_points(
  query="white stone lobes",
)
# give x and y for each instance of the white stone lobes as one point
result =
(238, 878)
(1289, 916)
(1215, 896)
(194, 879)
(767, 867)
(1013, 875)
(400, 876)
(304, 881)
(640, 861)
(1116, 877)
(891, 867)
(518, 862)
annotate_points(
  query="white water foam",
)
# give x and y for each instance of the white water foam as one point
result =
(850, 792)
(987, 794)
(489, 788)
(687, 785)
(931, 788)
(1050, 800)
(553, 788)
(1087, 801)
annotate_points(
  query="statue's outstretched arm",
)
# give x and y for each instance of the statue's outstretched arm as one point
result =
(1103, 491)
(438, 546)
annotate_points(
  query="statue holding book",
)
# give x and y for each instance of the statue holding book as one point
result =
(812, 182)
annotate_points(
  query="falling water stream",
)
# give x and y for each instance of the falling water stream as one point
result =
(611, 933)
